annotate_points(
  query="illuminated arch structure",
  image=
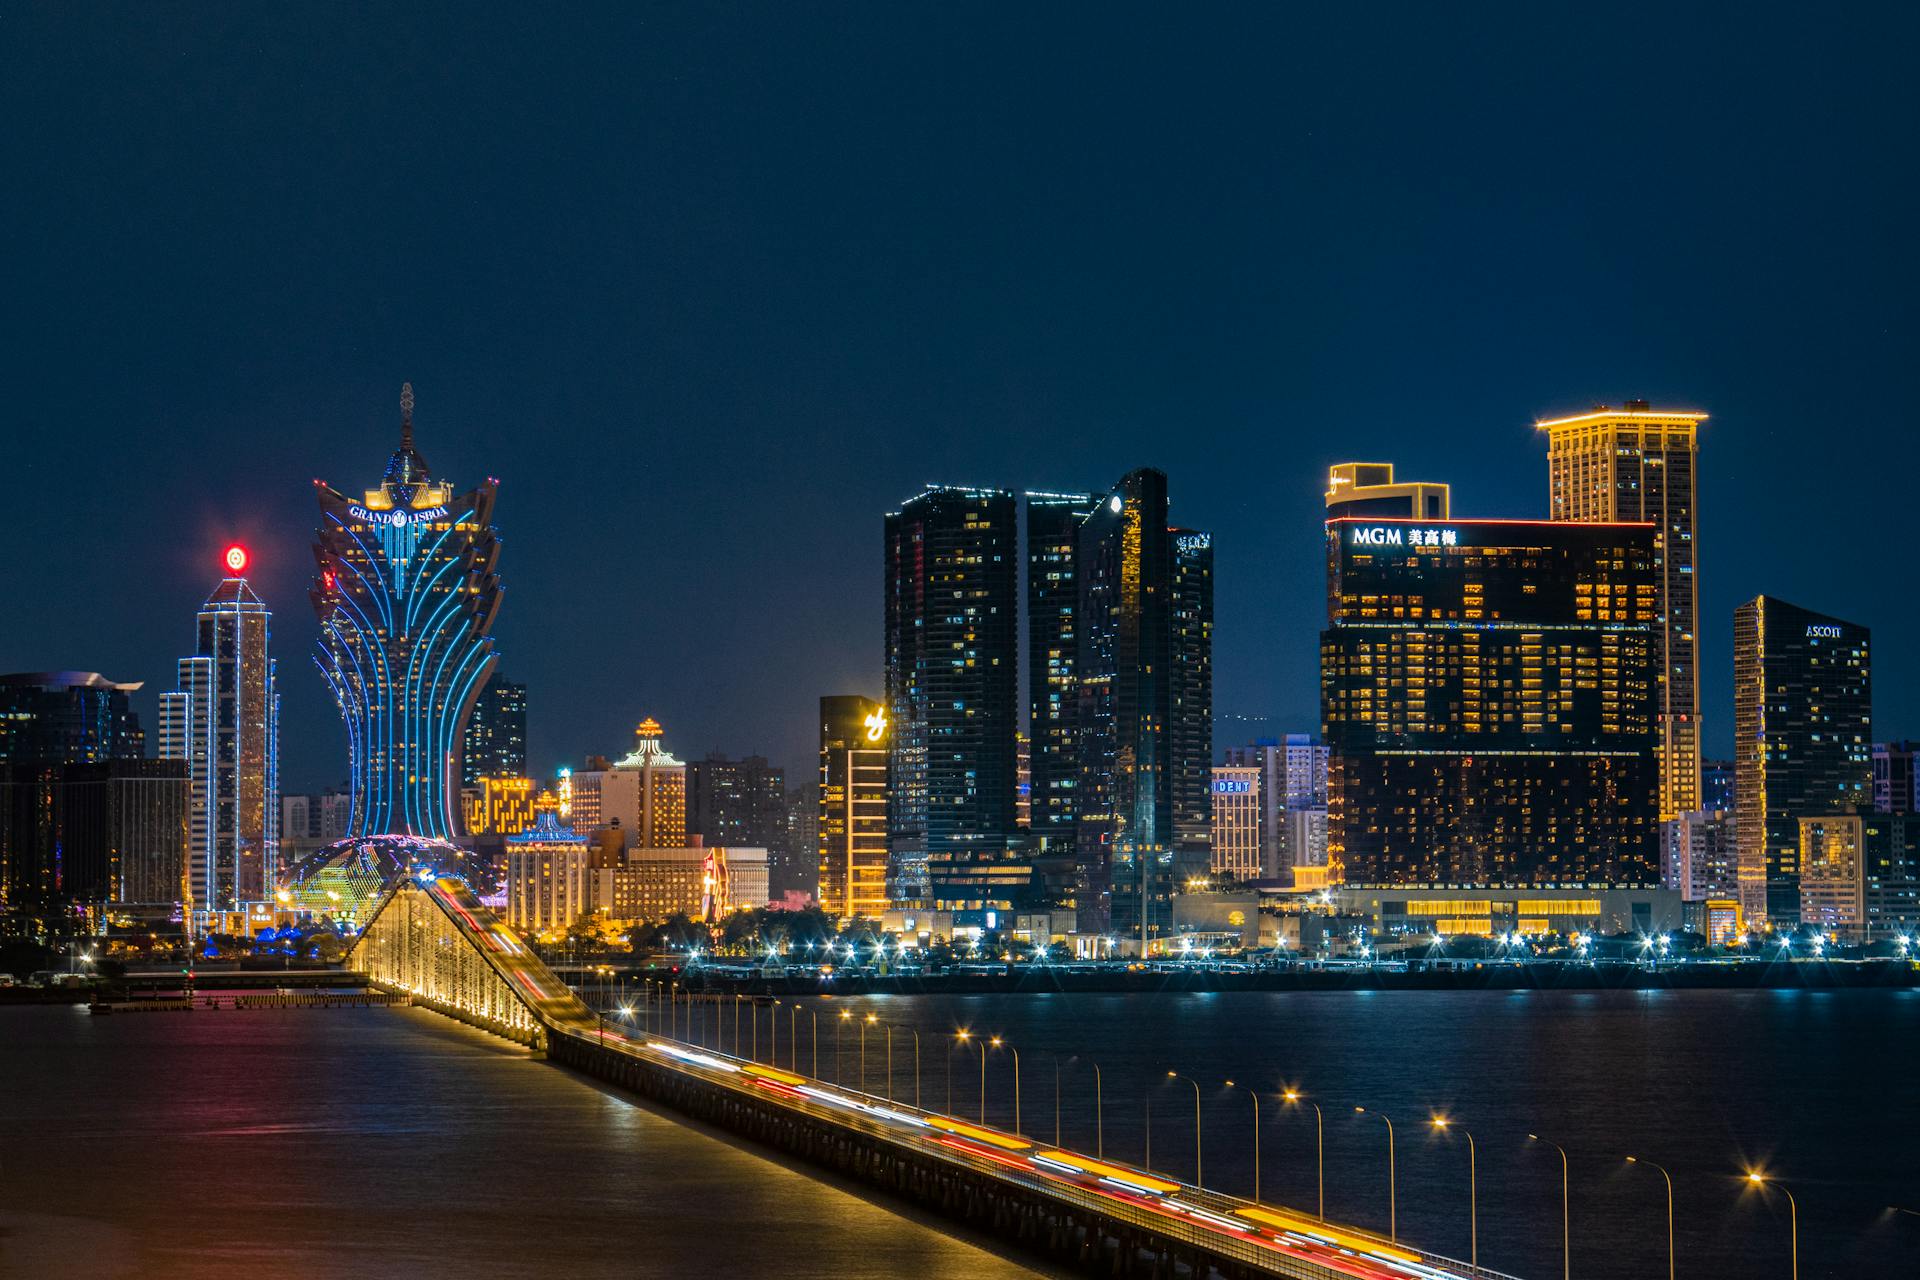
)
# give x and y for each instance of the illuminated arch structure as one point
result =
(346, 880)
(406, 594)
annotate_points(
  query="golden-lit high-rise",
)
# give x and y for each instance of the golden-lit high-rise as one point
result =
(854, 739)
(1637, 464)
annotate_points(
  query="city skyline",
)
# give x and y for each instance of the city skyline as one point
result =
(1262, 352)
(1222, 642)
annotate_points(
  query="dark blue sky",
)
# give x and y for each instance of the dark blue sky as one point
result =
(709, 288)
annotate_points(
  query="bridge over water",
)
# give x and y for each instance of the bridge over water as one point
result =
(432, 940)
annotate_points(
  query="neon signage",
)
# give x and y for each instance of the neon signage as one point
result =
(397, 519)
(236, 559)
(1822, 631)
(876, 723)
(1380, 535)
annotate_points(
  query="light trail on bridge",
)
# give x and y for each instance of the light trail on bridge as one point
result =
(1341, 1250)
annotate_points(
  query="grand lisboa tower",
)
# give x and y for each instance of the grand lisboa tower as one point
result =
(406, 594)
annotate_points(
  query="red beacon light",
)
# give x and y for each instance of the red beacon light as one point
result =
(236, 559)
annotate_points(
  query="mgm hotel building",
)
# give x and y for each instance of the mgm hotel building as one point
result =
(1488, 695)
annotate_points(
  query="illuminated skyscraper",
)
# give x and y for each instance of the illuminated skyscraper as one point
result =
(801, 874)
(854, 737)
(406, 594)
(52, 722)
(735, 804)
(1802, 741)
(953, 682)
(224, 721)
(1486, 694)
(1637, 464)
(496, 737)
(67, 717)
(1053, 603)
(1190, 726)
(1144, 689)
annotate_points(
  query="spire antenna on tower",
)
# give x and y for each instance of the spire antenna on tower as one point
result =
(406, 415)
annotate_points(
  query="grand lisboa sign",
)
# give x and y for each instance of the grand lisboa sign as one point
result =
(396, 519)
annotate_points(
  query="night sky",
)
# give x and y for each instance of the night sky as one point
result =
(710, 288)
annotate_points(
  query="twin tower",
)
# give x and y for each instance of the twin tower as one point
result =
(406, 593)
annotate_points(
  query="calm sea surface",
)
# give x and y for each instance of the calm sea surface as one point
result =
(1819, 1088)
(383, 1142)
(388, 1142)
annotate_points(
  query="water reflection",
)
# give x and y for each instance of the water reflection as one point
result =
(356, 1142)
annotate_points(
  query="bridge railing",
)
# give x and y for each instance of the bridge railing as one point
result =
(612, 1035)
(432, 939)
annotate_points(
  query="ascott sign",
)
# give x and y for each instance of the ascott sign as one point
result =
(1822, 631)
(1381, 535)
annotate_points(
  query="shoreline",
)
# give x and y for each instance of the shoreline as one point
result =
(1048, 980)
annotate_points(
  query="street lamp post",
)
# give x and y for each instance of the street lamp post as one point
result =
(889, 1062)
(959, 1037)
(982, 1047)
(1147, 1163)
(869, 1021)
(1174, 1075)
(1760, 1180)
(1443, 1124)
(1056, 1099)
(1393, 1180)
(1566, 1219)
(840, 1048)
(1669, 1177)
(1000, 1044)
(1319, 1143)
(1255, 1095)
(1099, 1116)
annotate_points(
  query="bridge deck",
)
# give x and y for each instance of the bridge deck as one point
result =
(436, 942)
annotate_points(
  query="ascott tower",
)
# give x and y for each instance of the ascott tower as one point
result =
(406, 594)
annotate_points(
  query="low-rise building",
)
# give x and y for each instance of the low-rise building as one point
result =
(1303, 840)
(547, 876)
(1860, 875)
(693, 880)
(1700, 855)
(1486, 912)
(1236, 822)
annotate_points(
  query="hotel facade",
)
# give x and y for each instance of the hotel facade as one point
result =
(406, 593)
(1489, 705)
